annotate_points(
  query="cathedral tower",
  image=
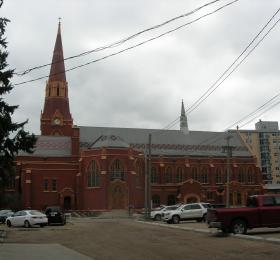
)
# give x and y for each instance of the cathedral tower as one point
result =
(56, 118)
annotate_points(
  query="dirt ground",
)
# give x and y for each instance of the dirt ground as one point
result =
(126, 239)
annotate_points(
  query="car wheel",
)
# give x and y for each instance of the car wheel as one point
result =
(225, 230)
(42, 225)
(157, 217)
(26, 224)
(204, 218)
(9, 224)
(176, 219)
(239, 226)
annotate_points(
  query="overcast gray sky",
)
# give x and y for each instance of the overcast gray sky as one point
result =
(143, 87)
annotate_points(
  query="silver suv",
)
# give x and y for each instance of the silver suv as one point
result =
(157, 214)
(193, 211)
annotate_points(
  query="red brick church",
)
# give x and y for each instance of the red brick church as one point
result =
(103, 168)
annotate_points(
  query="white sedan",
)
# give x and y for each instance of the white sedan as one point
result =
(157, 214)
(27, 218)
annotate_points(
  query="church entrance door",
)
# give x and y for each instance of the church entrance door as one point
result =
(118, 198)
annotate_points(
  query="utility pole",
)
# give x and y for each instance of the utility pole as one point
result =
(146, 184)
(149, 175)
(228, 148)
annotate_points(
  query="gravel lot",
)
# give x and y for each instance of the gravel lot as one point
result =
(128, 239)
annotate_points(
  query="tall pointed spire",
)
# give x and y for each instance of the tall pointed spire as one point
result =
(183, 120)
(57, 72)
(56, 118)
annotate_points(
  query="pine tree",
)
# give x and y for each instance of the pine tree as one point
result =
(13, 138)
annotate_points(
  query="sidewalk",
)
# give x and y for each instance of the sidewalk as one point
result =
(271, 235)
(15, 251)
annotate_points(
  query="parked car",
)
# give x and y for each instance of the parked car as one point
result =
(261, 211)
(192, 211)
(4, 213)
(27, 218)
(55, 215)
(157, 214)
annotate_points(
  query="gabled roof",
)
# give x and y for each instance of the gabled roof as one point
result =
(110, 141)
(51, 146)
(166, 142)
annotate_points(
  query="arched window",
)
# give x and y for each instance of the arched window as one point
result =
(194, 174)
(139, 174)
(241, 177)
(179, 174)
(168, 175)
(219, 178)
(93, 175)
(154, 175)
(171, 200)
(204, 175)
(155, 200)
(250, 177)
(117, 170)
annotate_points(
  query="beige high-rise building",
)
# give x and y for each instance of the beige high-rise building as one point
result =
(264, 143)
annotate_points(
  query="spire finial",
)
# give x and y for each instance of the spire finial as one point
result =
(59, 20)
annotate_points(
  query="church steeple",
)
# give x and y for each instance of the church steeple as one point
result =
(57, 72)
(56, 118)
(183, 120)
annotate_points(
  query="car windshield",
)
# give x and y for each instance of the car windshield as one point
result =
(35, 212)
(171, 208)
(4, 211)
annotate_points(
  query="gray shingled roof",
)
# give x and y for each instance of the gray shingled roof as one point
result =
(110, 141)
(51, 146)
(165, 142)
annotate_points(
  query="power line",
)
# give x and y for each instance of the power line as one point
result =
(213, 87)
(131, 47)
(260, 108)
(272, 106)
(118, 43)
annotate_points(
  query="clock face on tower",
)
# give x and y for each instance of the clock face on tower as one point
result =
(57, 121)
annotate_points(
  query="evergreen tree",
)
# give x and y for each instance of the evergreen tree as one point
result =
(13, 138)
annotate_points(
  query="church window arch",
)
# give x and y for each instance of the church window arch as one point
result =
(241, 175)
(117, 170)
(194, 174)
(93, 175)
(139, 173)
(204, 175)
(154, 175)
(168, 175)
(219, 176)
(179, 174)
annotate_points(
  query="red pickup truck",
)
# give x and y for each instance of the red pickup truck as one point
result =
(261, 211)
